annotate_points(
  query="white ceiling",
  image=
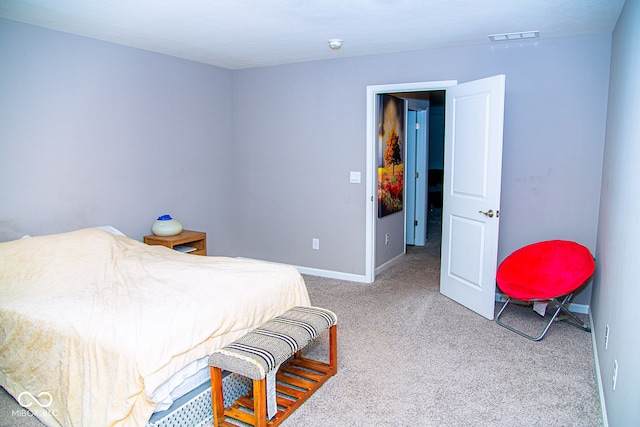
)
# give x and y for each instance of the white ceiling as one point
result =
(238, 34)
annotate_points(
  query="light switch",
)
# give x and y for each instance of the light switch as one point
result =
(354, 177)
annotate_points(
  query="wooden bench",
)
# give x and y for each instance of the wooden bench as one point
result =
(277, 390)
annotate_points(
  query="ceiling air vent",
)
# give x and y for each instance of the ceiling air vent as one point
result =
(523, 35)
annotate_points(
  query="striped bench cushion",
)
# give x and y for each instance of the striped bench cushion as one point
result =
(265, 348)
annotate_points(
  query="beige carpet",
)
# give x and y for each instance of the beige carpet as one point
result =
(409, 356)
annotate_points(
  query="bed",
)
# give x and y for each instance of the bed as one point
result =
(99, 329)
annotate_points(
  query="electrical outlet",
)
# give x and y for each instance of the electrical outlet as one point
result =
(606, 337)
(615, 374)
(386, 239)
(315, 244)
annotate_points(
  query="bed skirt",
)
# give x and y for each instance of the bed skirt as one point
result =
(194, 408)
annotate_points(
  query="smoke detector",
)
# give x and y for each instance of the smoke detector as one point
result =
(335, 44)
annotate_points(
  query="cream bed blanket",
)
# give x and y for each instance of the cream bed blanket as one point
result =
(92, 323)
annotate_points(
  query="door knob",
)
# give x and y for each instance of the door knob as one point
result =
(489, 214)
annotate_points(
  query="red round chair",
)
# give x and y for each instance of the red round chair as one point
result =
(545, 272)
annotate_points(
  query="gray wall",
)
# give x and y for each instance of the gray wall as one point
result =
(299, 129)
(95, 133)
(92, 133)
(615, 291)
(298, 132)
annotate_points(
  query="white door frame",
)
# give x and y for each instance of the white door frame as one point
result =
(371, 167)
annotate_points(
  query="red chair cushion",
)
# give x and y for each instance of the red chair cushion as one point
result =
(545, 270)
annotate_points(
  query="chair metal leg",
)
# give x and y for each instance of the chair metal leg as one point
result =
(578, 322)
(560, 307)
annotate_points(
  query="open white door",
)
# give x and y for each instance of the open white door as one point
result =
(471, 193)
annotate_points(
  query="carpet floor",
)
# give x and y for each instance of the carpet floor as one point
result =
(409, 356)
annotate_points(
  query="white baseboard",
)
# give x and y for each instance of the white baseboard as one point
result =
(320, 272)
(331, 274)
(389, 263)
(348, 276)
(605, 420)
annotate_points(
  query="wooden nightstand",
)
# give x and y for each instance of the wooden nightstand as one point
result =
(188, 238)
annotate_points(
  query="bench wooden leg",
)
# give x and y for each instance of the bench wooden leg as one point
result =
(217, 399)
(260, 402)
(333, 349)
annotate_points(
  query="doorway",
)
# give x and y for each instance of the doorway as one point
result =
(417, 92)
(471, 194)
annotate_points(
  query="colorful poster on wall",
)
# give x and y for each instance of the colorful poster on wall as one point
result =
(391, 121)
